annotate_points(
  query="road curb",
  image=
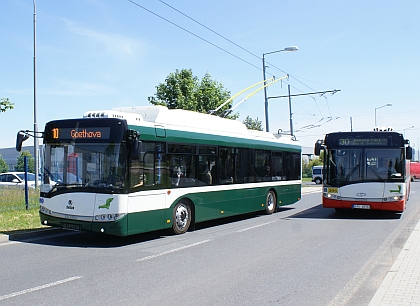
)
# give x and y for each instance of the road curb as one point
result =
(28, 234)
(4, 238)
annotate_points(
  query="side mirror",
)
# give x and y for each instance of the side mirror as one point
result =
(135, 143)
(136, 147)
(318, 147)
(408, 152)
(20, 138)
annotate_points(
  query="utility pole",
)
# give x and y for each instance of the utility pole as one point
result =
(35, 122)
(290, 111)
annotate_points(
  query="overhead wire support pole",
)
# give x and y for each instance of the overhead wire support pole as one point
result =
(265, 95)
(307, 94)
(296, 95)
(290, 111)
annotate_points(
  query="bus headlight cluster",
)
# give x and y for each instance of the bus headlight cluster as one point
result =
(45, 210)
(108, 217)
(393, 198)
(332, 196)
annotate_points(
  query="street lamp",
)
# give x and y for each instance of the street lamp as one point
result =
(407, 129)
(379, 108)
(289, 49)
(35, 122)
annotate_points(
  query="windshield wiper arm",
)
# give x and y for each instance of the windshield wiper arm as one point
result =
(376, 173)
(352, 172)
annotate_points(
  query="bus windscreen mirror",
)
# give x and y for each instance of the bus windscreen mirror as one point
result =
(20, 138)
(409, 152)
(318, 146)
(135, 149)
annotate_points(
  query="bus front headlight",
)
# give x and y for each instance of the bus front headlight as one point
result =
(393, 198)
(108, 217)
(332, 196)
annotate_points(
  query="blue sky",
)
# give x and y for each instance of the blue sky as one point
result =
(94, 54)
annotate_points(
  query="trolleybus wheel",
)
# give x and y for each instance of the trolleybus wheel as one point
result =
(181, 217)
(270, 203)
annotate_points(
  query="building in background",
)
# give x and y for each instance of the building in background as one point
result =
(10, 155)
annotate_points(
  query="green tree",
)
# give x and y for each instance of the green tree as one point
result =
(4, 167)
(252, 124)
(183, 90)
(5, 104)
(20, 163)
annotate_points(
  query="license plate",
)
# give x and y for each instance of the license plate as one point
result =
(332, 190)
(71, 227)
(360, 206)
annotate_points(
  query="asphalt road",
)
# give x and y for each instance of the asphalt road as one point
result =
(302, 255)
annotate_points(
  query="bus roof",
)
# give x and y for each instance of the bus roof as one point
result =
(185, 120)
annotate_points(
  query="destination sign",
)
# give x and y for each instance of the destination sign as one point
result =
(365, 142)
(80, 133)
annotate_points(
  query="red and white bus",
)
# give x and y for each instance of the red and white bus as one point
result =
(365, 170)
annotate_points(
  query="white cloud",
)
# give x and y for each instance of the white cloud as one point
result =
(80, 89)
(119, 46)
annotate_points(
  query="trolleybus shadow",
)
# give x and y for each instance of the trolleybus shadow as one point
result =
(67, 238)
(318, 212)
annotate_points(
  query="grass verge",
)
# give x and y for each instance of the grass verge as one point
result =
(14, 216)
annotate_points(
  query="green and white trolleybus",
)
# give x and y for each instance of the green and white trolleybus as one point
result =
(137, 169)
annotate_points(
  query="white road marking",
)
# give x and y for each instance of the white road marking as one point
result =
(173, 250)
(252, 227)
(8, 296)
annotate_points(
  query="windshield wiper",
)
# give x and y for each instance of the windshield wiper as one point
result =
(352, 172)
(376, 173)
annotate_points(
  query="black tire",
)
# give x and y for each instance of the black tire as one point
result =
(270, 203)
(181, 217)
(318, 181)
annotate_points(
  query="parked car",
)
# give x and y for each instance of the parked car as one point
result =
(17, 179)
(317, 174)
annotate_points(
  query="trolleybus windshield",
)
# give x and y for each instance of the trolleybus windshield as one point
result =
(85, 154)
(355, 165)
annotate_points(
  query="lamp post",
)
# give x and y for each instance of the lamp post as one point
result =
(35, 122)
(379, 108)
(289, 49)
(407, 129)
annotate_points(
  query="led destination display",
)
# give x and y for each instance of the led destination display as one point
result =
(81, 133)
(342, 142)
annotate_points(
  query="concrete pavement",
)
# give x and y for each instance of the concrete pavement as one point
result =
(401, 285)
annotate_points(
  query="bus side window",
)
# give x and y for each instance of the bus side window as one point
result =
(205, 164)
